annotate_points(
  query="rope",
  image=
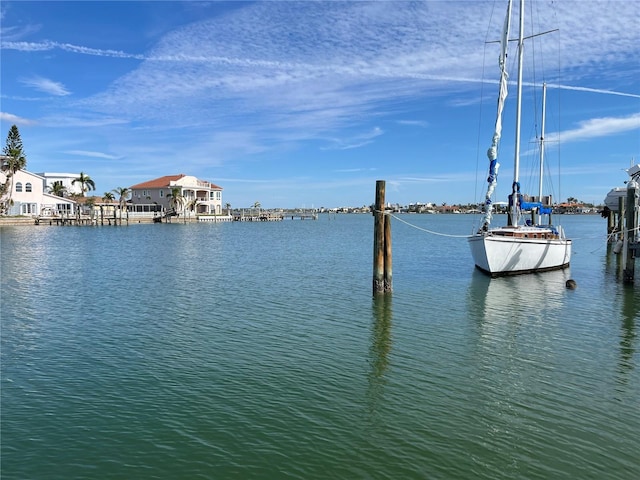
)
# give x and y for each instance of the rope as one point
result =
(422, 229)
(608, 236)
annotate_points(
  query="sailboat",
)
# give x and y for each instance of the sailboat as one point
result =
(522, 246)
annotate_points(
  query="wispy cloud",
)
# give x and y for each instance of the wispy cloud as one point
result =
(355, 141)
(414, 123)
(73, 120)
(84, 153)
(599, 127)
(354, 170)
(47, 86)
(13, 32)
(68, 47)
(10, 118)
(594, 90)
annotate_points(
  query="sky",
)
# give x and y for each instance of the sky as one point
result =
(306, 104)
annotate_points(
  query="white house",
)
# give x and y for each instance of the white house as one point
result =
(207, 196)
(28, 195)
(65, 178)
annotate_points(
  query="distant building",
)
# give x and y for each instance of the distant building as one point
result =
(205, 197)
(29, 196)
(65, 178)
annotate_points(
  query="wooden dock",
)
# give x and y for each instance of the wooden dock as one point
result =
(77, 220)
(171, 216)
(273, 217)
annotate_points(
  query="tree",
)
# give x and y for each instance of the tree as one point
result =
(123, 193)
(13, 160)
(108, 197)
(191, 206)
(58, 189)
(85, 182)
(228, 207)
(177, 200)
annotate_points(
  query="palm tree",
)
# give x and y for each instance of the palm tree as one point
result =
(107, 197)
(58, 189)
(85, 182)
(13, 159)
(177, 199)
(191, 206)
(228, 207)
(123, 193)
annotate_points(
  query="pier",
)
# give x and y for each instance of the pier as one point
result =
(273, 216)
(169, 216)
(77, 220)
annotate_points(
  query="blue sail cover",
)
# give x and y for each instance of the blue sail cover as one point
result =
(531, 205)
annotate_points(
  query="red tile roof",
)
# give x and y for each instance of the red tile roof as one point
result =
(164, 182)
(158, 182)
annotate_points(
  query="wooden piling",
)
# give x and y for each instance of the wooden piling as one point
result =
(382, 264)
(631, 229)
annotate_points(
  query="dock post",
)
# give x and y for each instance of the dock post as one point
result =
(631, 231)
(621, 215)
(382, 264)
(611, 224)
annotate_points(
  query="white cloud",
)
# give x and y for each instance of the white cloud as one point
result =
(47, 86)
(600, 127)
(85, 153)
(355, 141)
(414, 123)
(14, 119)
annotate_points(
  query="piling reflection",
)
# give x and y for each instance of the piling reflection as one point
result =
(629, 298)
(380, 348)
(630, 315)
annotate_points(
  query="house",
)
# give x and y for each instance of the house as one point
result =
(28, 196)
(203, 196)
(66, 179)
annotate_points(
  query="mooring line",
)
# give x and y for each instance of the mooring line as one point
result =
(468, 236)
(424, 229)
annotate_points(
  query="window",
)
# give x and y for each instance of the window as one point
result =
(27, 187)
(211, 194)
(217, 195)
(161, 193)
(18, 187)
(28, 208)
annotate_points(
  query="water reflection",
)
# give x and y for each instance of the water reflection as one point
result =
(630, 314)
(629, 298)
(534, 296)
(380, 348)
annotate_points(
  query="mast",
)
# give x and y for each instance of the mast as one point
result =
(516, 159)
(541, 208)
(544, 106)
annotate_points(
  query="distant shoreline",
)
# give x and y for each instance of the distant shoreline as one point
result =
(21, 220)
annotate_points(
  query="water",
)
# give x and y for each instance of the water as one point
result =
(245, 350)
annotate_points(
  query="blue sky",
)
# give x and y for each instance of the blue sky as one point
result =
(301, 104)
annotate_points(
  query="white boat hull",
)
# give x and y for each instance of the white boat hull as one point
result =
(499, 255)
(612, 200)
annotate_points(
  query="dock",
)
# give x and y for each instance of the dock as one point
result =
(622, 212)
(273, 217)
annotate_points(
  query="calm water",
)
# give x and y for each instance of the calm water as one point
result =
(245, 350)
